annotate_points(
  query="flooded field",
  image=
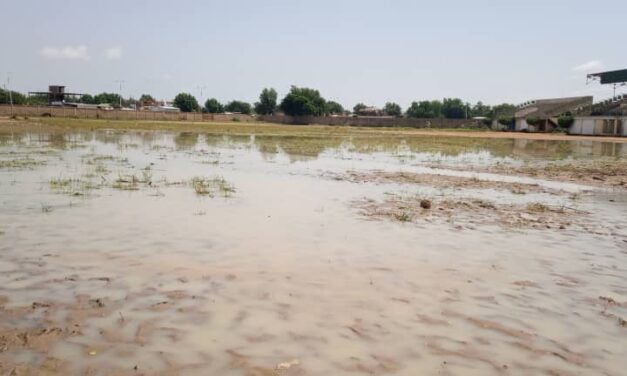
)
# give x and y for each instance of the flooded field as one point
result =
(309, 251)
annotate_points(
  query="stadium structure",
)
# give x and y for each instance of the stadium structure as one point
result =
(604, 118)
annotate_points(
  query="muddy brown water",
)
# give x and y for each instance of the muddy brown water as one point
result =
(112, 263)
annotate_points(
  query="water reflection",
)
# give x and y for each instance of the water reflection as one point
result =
(186, 140)
(299, 148)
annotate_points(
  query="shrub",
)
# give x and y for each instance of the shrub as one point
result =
(565, 121)
(532, 120)
(239, 106)
(212, 106)
(392, 109)
(506, 120)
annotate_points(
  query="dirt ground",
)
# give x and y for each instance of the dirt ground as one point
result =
(35, 124)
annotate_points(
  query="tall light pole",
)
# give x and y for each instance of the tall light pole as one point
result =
(120, 82)
(201, 88)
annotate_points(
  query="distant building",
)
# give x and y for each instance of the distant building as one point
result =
(370, 111)
(599, 126)
(547, 111)
(608, 117)
(56, 95)
(164, 108)
(159, 106)
(616, 106)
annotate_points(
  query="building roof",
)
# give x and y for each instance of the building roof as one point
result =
(552, 107)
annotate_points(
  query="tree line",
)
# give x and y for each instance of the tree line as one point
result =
(300, 101)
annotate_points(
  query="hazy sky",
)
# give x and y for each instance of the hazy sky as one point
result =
(352, 51)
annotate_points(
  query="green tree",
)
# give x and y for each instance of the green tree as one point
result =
(186, 102)
(425, 109)
(16, 97)
(358, 108)
(565, 121)
(334, 108)
(454, 108)
(86, 99)
(36, 100)
(533, 120)
(110, 98)
(212, 106)
(303, 102)
(239, 106)
(506, 120)
(147, 99)
(392, 109)
(503, 110)
(267, 102)
(480, 109)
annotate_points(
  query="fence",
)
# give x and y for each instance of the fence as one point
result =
(91, 113)
(361, 121)
(372, 121)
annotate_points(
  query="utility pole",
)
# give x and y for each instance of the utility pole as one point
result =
(8, 87)
(120, 82)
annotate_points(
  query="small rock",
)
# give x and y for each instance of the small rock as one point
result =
(40, 305)
(96, 303)
(425, 204)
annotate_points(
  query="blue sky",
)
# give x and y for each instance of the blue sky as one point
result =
(352, 51)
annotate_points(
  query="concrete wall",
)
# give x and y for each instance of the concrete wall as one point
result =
(374, 121)
(90, 113)
(521, 125)
(599, 126)
(546, 125)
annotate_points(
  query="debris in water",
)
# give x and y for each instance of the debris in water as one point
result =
(287, 365)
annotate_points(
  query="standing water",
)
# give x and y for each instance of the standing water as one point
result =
(166, 253)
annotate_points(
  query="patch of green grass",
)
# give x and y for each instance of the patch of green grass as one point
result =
(212, 186)
(126, 183)
(71, 186)
(101, 169)
(403, 216)
(19, 164)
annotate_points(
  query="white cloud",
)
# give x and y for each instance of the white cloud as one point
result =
(65, 53)
(113, 53)
(591, 65)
